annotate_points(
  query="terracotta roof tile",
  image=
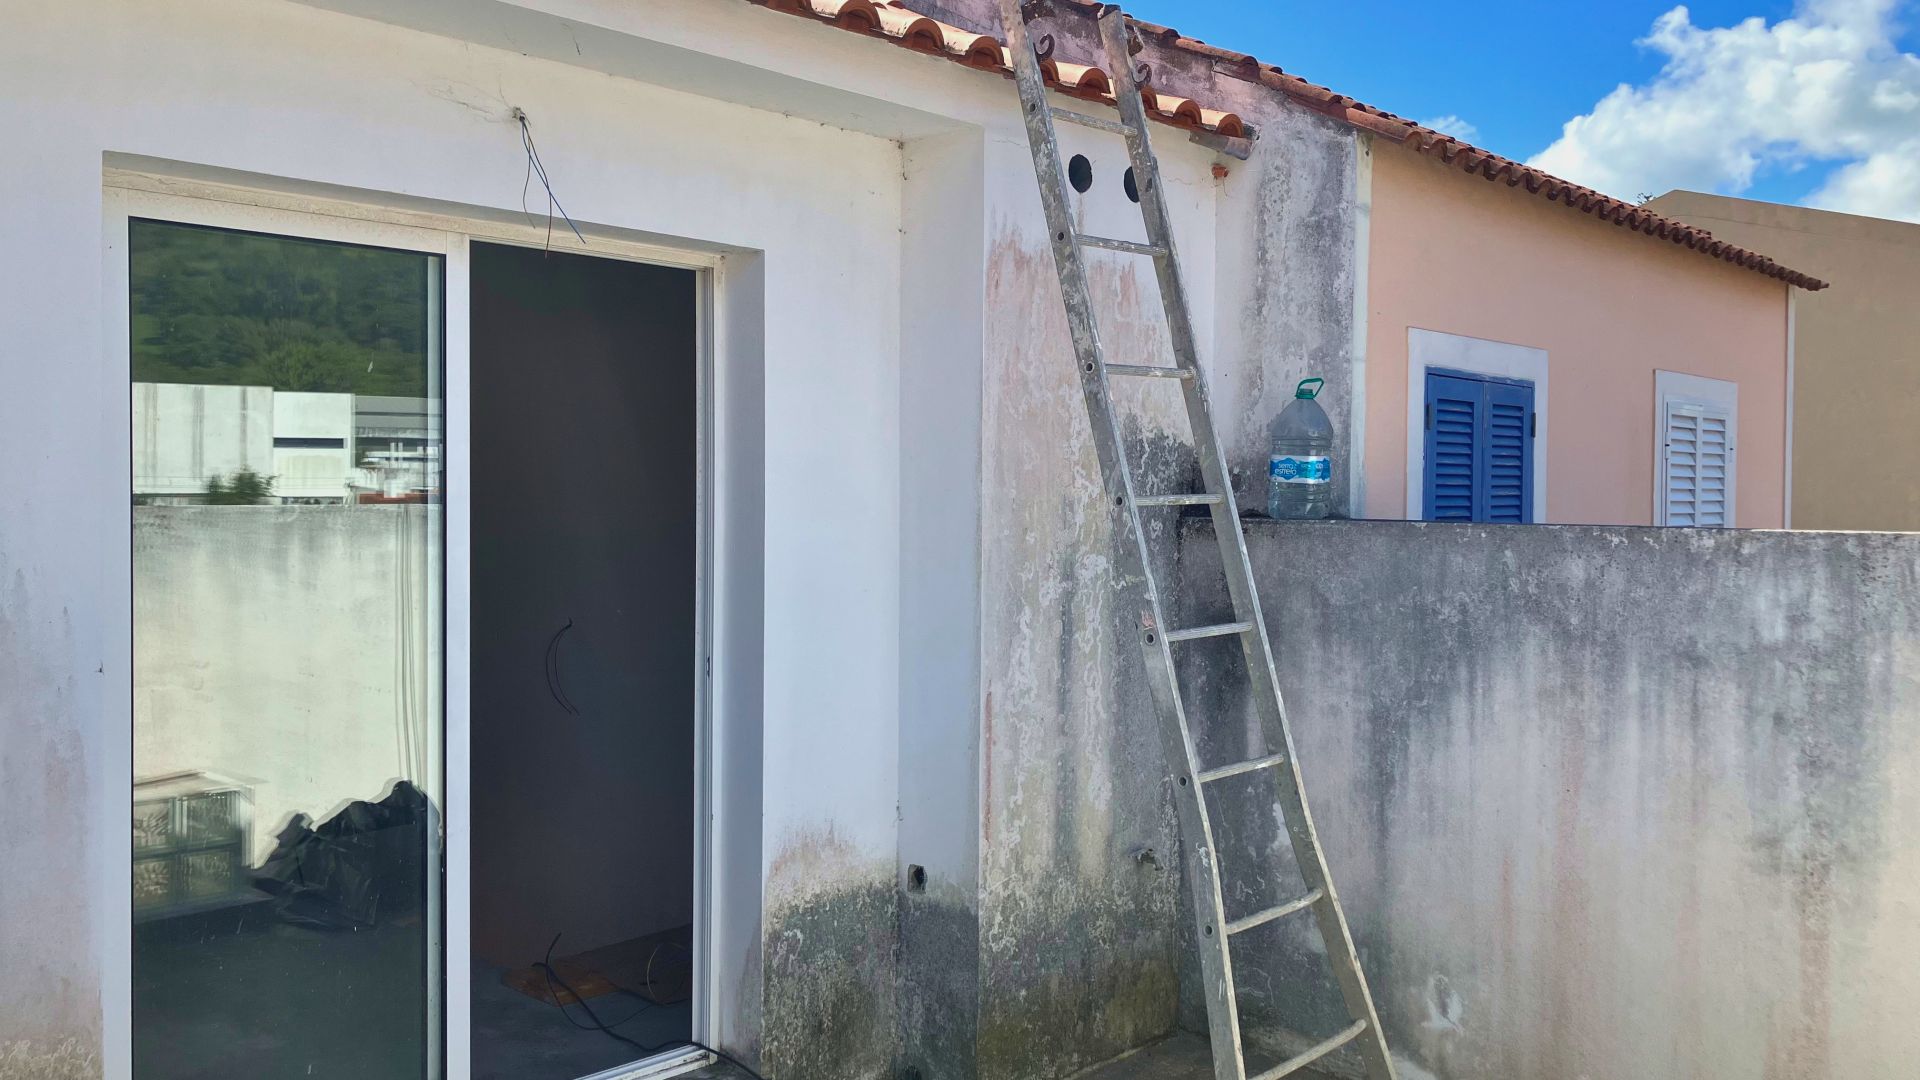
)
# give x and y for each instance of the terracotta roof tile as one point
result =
(892, 21)
(1469, 158)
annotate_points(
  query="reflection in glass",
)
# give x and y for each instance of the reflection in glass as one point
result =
(286, 482)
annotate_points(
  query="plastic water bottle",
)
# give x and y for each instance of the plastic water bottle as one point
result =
(1300, 472)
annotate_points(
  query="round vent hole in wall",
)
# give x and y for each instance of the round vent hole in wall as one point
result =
(1133, 189)
(1080, 173)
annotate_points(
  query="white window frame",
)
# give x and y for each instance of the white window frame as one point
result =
(137, 193)
(1675, 388)
(1431, 349)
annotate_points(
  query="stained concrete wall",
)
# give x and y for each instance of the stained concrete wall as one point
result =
(1289, 247)
(230, 685)
(1079, 940)
(1604, 801)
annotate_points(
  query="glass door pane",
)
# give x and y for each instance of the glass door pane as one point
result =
(287, 590)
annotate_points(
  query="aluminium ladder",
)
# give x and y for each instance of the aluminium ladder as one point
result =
(1215, 931)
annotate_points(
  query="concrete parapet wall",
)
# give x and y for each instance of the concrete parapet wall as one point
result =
(1605, 802)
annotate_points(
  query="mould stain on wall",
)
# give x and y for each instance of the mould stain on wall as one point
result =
(49, 993)
(1298, 318)
(830, 967)
(1078, 948)
(939, 981)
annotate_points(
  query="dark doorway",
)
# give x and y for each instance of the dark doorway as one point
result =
(585, 527)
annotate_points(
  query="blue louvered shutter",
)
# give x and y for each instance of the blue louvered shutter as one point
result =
(1453, 443)
(1479, 453)
(1505, 486)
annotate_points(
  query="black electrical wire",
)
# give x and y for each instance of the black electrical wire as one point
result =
(535, 167)
(553, 670)
(552, 976)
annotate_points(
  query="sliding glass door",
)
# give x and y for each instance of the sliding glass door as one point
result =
(286, 489)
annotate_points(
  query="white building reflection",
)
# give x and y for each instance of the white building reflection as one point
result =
(317, 448)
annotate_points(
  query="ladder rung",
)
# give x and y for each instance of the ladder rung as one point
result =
(1178, 500)
(1127, 246)
(1150, 371)
(1238, 767)
(1295, 1064)
(1222, 630)
(1262, 918)
(1094, 122)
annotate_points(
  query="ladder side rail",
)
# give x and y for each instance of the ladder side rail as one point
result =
(1209, 903)
(1236, 561)
(1173, 295)
(1200, 862)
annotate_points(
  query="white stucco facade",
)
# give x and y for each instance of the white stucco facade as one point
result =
(846, 201)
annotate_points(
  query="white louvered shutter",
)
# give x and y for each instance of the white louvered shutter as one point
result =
(1697, 473)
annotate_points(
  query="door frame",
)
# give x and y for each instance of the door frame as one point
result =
(140, 193)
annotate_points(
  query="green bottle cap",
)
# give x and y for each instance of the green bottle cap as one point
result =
(1301, 391)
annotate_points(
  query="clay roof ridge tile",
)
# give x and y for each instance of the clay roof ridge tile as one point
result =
(912, 29)
(1426, 140)
(1165, 35)
(1225, 123)
(974, 50)
(1215, 52)
(1082, 78)
(893, 21)
(1185, 111)
(849, 14)
(1450, 149)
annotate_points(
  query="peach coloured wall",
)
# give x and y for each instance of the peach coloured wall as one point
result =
(1856, 364)
(1457, 254)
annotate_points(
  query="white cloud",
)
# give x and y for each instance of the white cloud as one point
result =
(1454, 126)
(1827, 85)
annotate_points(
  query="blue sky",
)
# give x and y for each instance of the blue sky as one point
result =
(1517, 72)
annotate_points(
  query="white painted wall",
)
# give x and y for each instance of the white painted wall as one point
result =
(779, 146)
(312, 472)
(185, 434)
(300, 414)
(943, 263)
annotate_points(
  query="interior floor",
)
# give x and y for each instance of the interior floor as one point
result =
(516, 1037)
(213, 998)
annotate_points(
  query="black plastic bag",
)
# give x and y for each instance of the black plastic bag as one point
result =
(361, 867)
